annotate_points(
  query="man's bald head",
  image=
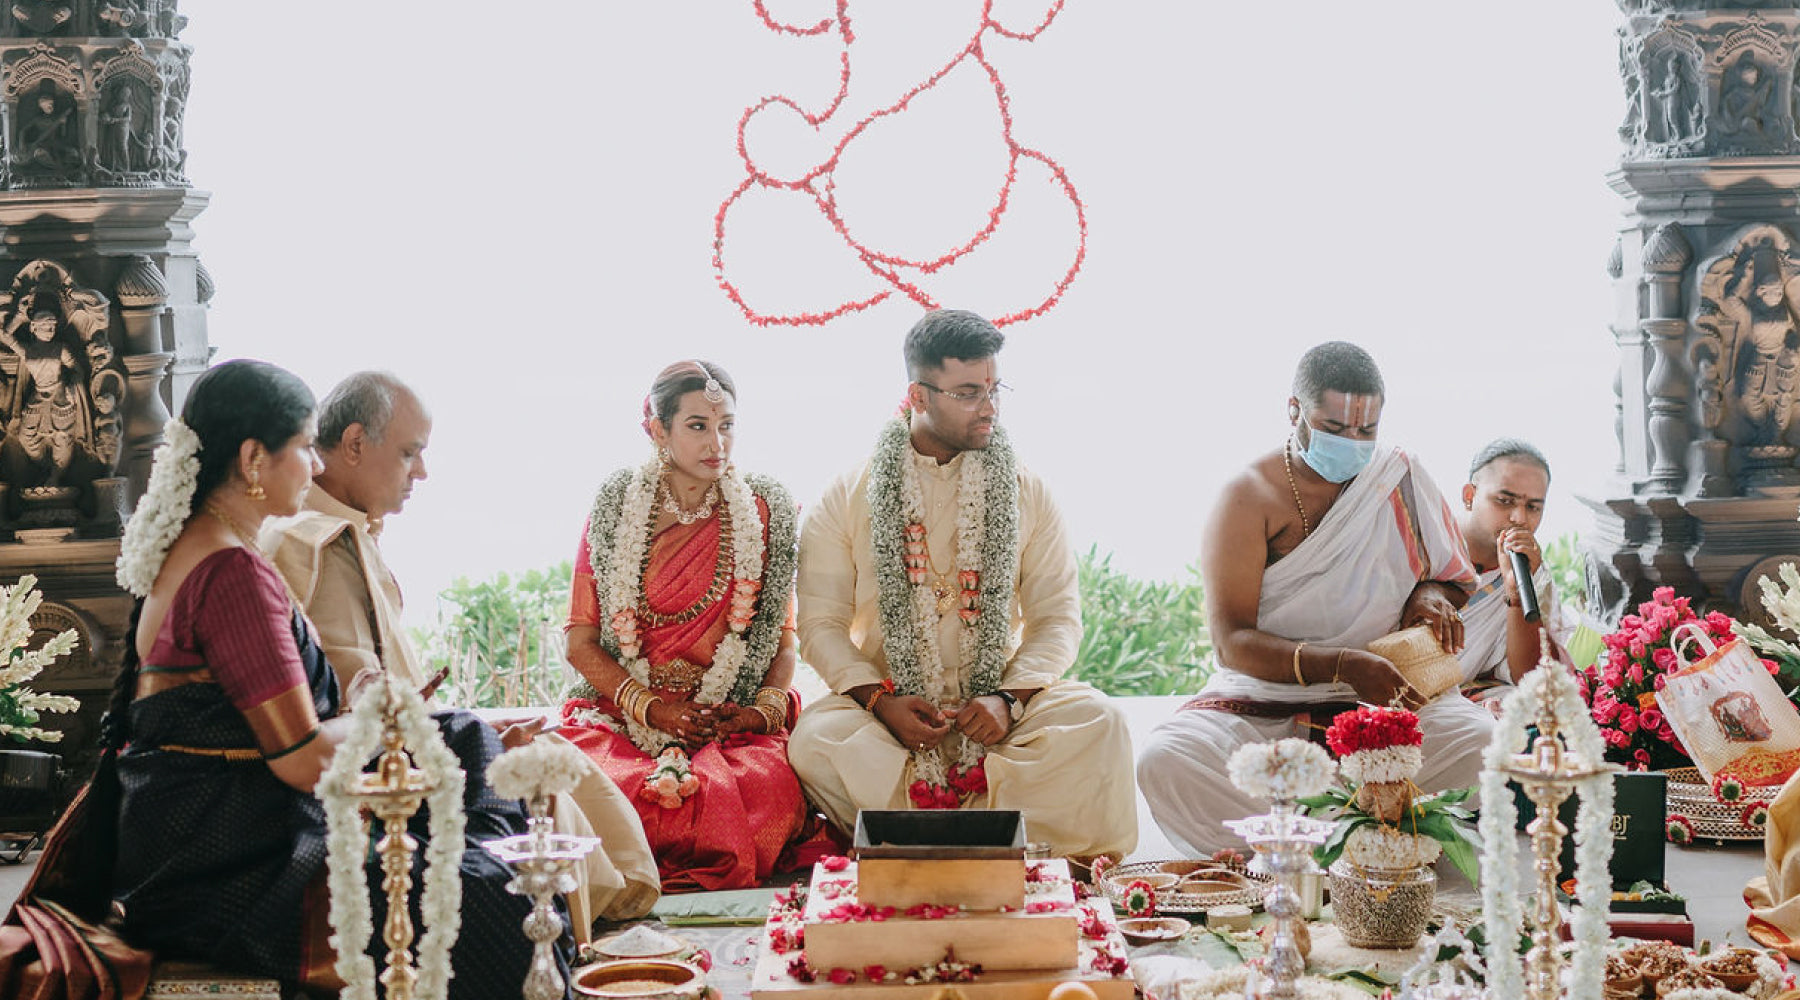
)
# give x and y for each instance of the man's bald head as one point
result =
(372, 436)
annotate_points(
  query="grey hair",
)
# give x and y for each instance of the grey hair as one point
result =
(1336, 365)
(1513, 448)
(365, 398)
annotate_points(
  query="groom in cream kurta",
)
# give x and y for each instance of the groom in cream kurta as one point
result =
(373, 433)
(1063, 755)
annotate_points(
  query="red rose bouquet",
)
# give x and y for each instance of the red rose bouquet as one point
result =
(1620, 689)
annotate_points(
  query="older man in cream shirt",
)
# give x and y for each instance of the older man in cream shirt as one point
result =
(938, 599)
(372, 437)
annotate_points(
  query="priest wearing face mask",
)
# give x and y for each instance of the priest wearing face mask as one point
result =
(1321, 545)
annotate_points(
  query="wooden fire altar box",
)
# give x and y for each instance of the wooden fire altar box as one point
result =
(972, 858)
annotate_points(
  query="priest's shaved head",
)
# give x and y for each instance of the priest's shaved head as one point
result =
(1336, 365)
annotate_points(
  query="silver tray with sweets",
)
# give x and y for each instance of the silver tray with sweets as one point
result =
(1199, 885)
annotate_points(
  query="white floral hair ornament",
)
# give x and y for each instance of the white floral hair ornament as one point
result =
(162, 511)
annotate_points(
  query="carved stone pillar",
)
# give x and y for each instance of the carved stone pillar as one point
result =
(1707, 305)
(97, 261)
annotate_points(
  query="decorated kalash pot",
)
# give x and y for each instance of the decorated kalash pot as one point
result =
(1387, 836)
(940, 900)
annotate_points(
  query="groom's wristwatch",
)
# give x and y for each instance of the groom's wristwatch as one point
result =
(1015, 709)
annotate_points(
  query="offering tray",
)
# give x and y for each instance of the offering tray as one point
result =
(1174, 901)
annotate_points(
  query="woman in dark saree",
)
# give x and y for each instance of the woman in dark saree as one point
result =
(226, 714)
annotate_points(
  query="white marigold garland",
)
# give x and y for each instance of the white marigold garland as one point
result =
(162, 511)
(347, 844)
(619, 529)
(1500, 901)
(987, 545)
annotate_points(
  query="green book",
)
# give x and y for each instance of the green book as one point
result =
(1639, 812)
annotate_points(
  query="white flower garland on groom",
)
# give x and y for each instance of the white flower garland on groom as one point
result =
(987, 546)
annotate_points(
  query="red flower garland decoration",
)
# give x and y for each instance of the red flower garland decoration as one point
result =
(1755, 815)
(818, 182)
(1369, 728)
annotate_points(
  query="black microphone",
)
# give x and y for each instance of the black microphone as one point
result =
(1527, 590)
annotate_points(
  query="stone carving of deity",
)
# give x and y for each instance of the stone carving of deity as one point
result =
(49, 417)
(1746, 100)
(127, 139)
(1674, 113)
(63, 419)
(1757, 330)
(42, 17)
(47, 141)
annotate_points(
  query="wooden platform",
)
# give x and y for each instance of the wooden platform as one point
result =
(1023, 954)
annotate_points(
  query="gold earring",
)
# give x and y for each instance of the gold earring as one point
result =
(663, 456)
(255, 490)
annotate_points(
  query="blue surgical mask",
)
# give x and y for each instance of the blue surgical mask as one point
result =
(1338, 459)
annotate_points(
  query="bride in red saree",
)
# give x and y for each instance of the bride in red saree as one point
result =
(680, 626)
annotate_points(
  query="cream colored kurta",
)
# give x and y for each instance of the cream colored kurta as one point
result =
(328, 555)
(1071, 737)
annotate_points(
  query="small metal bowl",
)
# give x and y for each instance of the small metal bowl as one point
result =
(640, 979)
(1158, 881)
(1149, 930)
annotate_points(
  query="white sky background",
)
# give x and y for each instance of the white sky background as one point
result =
(513, 210)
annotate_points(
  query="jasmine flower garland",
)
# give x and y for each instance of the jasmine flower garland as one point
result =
(987, 560)
(1593, 837)
(162, 511)
(347, 843)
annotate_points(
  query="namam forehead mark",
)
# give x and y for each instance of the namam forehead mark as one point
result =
(1337, 411)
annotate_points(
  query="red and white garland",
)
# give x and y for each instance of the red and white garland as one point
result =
(623, 584)
(1377, 745)
(818, 182)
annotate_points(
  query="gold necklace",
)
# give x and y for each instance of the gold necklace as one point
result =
(243, 534)
(708, 501)
(714, 591)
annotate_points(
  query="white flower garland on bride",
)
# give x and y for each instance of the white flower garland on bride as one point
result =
(987, 559)
(1500, 901)
(619, 532)
(162, 511)
(347, 844)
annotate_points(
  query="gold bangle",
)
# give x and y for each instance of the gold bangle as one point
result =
(1298, 678)
(643, 716)
(774, 722)
(1337, 665)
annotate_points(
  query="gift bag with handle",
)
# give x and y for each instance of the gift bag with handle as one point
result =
(1728, 712)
